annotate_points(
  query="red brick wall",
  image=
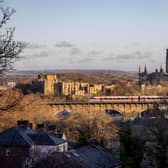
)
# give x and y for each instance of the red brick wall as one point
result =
(16, 157)
(15, 152)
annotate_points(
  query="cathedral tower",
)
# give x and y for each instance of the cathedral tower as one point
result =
(167, 61)
(145, 70)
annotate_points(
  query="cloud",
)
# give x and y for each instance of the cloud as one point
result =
(64, 44)
(86, 60)
(75, 51)
(137, 55)
(95, 52)
(109, 57)
(134, 45)
(41, 54)
(134, 55)
(35, 46)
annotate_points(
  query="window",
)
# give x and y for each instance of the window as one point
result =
(57, 148)
(7, 152)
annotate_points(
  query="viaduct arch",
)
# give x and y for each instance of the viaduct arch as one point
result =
(129, 110)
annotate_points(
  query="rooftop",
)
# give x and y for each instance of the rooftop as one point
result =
(24, 137)
(95, 157)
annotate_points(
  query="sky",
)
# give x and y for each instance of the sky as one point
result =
(91, 34)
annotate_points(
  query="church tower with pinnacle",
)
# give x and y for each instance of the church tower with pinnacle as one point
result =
(167, 61)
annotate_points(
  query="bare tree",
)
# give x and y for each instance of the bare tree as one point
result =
(9, 48)
(10, 99)
(9, 52)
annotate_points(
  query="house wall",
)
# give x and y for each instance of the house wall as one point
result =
(14, 157)
(13, 152)
(42, 151)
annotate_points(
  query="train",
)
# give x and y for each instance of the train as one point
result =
(132, 99)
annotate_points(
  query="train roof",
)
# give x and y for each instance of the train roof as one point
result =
(129, 96)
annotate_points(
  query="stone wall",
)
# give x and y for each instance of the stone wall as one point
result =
(129, 111)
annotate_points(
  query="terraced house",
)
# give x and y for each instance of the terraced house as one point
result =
(21, 146)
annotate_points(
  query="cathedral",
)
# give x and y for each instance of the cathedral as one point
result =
(154, 77)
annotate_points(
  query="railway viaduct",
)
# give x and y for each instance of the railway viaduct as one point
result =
(128, 109)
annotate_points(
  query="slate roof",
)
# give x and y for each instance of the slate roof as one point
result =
(41, 139)
(95, 157)
(15, 137)
(25, 137)
(56, 138)
(59, 160)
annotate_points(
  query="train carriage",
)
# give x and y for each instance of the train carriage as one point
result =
(133, 99)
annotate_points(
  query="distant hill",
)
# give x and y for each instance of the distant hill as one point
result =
(76, 74)
(130, 74)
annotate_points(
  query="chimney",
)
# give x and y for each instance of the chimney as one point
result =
(40, 127)
(23, 123)
(51, 128)
(93, 141)
(31, 125)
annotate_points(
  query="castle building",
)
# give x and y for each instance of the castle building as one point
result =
(52, 85)
(72, 88)
(109, 88)
(49, 84)
(154, 77)
(95, 88)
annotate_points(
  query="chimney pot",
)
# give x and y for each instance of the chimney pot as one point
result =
(51, 128)
(40, 127)
(23, 123)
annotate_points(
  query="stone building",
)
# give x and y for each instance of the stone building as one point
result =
(53, 86)
(95, 89)
(71, 88)
(109, 88)
(75, 89)
(49, 83)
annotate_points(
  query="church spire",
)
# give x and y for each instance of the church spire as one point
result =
(139, 71)
(145, 70)
(161, 68)
(167, 61)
